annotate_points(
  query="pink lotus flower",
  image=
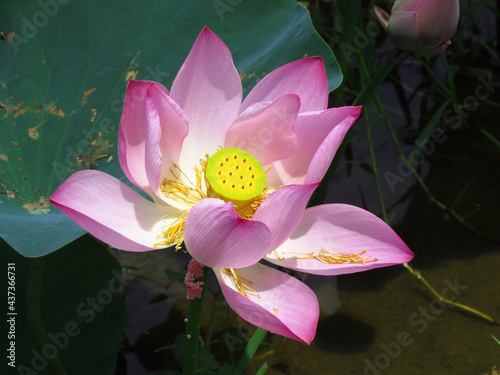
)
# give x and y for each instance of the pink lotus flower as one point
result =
(231, 181)
(422, 26)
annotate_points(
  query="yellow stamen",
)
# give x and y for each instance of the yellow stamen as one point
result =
(247, 210)
(174, 234)
(277, 255)
(331, 257)
(240, 285)
(187, 194)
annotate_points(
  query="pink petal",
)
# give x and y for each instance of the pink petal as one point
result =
(132, 133)
(215, 235)
(208, 89)
(340, 228)
(305, 78)
(111, 211)
(166, 128)
(319, 136)
(382, 16)
(284, 305)
(282, 210)
(266, 132)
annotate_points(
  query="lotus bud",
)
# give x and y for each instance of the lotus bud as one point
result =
(422, 26)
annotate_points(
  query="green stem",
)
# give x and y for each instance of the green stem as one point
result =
(211, 324)
(419, 276)
(375, 169)
(193, 331)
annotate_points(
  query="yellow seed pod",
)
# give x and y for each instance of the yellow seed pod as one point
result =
(235, 175)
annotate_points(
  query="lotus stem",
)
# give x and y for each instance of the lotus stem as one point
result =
(192, 338)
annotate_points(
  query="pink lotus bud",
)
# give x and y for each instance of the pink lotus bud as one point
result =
(422, 26)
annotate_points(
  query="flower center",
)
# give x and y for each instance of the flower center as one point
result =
(230, 174)
(235, 175)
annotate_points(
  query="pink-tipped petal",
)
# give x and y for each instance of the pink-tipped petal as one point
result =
(284, 305)
(282, 211)
(324, 154)
(166, 128)
(111, 211)
(215, 235)
(208, 89)
(305, 78)
(267, 132)
(319, 136)
(132, 133)
(340, 228)
(382, 16)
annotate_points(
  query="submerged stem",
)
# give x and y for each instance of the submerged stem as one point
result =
(419, 276)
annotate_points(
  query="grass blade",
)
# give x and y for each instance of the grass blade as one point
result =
(429, 128)
(371, 88)
(262, 369)
(252, 346)
(491, 137)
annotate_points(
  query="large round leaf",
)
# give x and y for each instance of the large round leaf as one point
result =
(64, 70)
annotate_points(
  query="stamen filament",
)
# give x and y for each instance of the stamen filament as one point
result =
(277, 255)
(180, 170)
(331, 257)
(174, 234)
(239, 285)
